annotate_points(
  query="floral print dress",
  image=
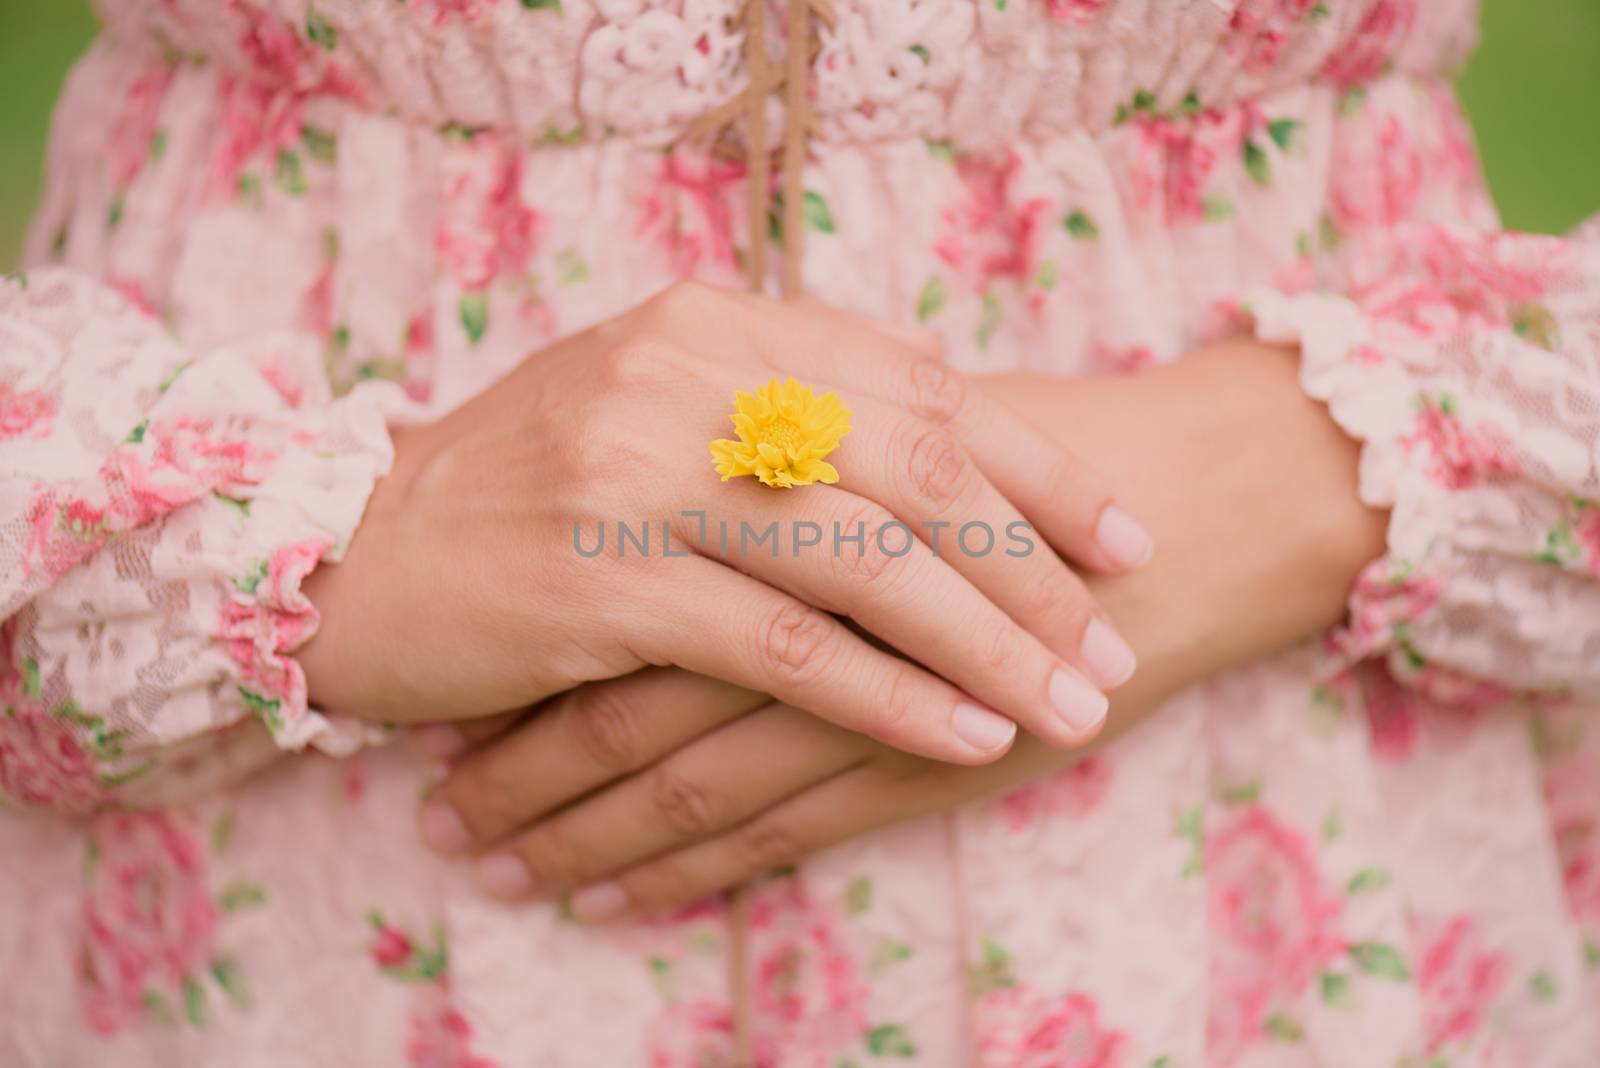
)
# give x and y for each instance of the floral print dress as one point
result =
(275, 228)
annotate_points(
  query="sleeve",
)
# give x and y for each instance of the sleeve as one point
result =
(159, 509)
(1468, 365)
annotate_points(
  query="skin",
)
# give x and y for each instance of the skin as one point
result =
(462, 596)
(651, 791)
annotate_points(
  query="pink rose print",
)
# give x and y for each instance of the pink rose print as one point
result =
(438, 12)
(1258, 28)
(694, 1035)
(282, 58)
(1574, 805)
(1072, 794)
(689, 210)
(1376, 181)
(991, 232)
(61, 533)
(268, 619)
(1019, 1027)
(1175, 161)
(1586, 531)
(133, 134)
(809, 994)
(439, 1036)
(485, 230)
(1458, 457)
(1391, 713)
(25, 411)
(1273, 926)
(258, 121)
(1385, 596)
(1375, 42)
(148, 918)
(1075, 12)
(1458, 979)
(43, 761)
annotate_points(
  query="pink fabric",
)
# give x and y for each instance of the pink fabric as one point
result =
(278, 225)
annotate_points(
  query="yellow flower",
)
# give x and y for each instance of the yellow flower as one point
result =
(784, 434)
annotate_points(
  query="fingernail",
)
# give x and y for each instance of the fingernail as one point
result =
(503, 875)
(1122, 538)
(1079, 705)
(599, 902)
(442, 829)
(1110, 660)
(980, 728)
(438, 741)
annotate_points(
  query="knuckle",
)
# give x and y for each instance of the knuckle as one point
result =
(485, 797)
(684, 806)
(891, 715)
(766, 844)
(937, 391)
(641, 363)
(683, 305)
(867, 561)
(796, 641)
(1000, 653)
(608, 728)
(937, 466)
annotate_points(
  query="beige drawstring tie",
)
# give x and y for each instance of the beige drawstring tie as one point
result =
(765, 79)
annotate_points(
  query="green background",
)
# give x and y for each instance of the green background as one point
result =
(1533, 91)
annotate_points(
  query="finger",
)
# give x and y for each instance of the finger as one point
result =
(1071, 502)
(864, 567)
(444, 742)
(574, 743)
(921, 473)
(849, 804)
(700, 790)
(715, 621)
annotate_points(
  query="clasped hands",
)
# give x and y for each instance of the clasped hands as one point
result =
(636, 731)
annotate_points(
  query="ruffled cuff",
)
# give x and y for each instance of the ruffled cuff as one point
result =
(1479, 435)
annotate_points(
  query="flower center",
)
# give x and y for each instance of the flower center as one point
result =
(779, 432)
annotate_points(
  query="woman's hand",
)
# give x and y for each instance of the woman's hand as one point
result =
(652, 790)
(463, 593)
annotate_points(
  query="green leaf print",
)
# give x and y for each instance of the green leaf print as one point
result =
(1544, 988)
(1335, 988)
(266, 708)
(888, 952)
(1189, 824)
(1319, 12)
(136, 435)
(288, 174)
(890, 1040)
(858, 896)
(573, 269)
(252, 578)
(225, 970)
(993, 972)
(158, 146)
(818, 215)
(320, 31)
(1242, 794)
(1380, 960)
(943, 151)
(156, 1009)
(1256, 164)
(114, 213)
(1282, 1029)
(1591, 955)
(661, 977)
(194, 1001)
(989, 321)
(31, 685)
(1283, 131)
(1367, 879)
(319, 144)
(1217, 208)
(543, 5)
(241, 894)
(1080, 226)
(222, 832)
(931, 300)
(238, 504)
(920, 52)
(474, 312)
